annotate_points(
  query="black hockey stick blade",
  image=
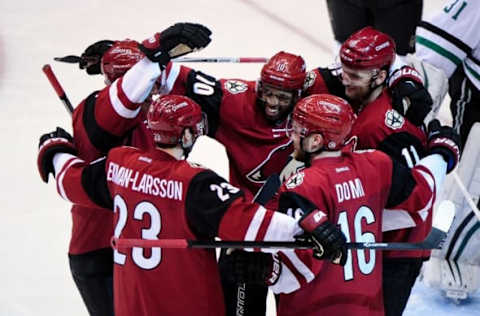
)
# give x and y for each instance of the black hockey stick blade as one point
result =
(71, 59)
(268, 190)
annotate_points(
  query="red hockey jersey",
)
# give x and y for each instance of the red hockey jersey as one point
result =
(379, 126)
(105, 119)
(155, 196)
(352, 189)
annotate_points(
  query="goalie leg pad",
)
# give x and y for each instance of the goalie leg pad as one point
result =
(456, 280)
(463, 240)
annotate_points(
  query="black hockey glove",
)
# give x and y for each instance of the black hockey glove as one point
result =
(254, 268)
(175, 41)
(409, 97)
(92, 56)
(445, 141)
(328, 240)
(58, 141)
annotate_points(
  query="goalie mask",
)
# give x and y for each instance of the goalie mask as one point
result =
(170, 115)
(119, 58)
(280, 85)
(328, 115)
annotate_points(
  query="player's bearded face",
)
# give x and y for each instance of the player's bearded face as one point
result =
(357, 83)
(276, 101)
(295, 136)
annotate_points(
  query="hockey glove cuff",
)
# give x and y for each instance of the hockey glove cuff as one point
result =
(329, 241)
(254, 268)
(175, 41)
(50, 144)
(409, 97)
(90, 59)
(445, 141)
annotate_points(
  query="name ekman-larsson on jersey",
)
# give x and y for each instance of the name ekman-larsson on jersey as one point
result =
(144, 182)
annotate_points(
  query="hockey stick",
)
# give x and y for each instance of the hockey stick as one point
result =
(57, 87)
(434, 240)
(220, 60)
(467, 195)
(72, 59)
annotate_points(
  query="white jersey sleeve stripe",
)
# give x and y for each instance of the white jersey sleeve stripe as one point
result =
(139, 80)
(169, 80)
(286, 283)
(255, 224)
(282, 227)
(117, 104)
(61, 163)
(299, 265)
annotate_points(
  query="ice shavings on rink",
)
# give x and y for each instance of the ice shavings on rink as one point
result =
(429, 301)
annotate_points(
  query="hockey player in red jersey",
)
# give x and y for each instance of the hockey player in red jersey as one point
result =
(365, 59)
(247, 117)
(156, 194)
(90, 255)
(249, 120)
(351, 189)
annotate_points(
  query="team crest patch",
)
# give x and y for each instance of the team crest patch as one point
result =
(195, 165)
(393, 119)
(295, 180)
(235, 86)
(309, 79)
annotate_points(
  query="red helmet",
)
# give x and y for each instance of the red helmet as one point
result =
(169, 115)
(284, 71)
(368, 49)
(119, 58)
(325, 114)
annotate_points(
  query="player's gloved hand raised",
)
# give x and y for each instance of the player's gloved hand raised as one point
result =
(329, 241)
(177, 40)
(92, 56)
(255, 268)
(409, 97)
(50, 144)
(445, 141)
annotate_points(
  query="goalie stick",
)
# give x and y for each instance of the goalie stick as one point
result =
(72, 59)
(47, 70)
(434, 240)
(466, 195)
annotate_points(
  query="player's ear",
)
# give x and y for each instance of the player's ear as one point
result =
(313, 143)
(381, 77)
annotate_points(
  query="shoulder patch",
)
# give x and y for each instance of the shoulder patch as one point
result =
(235, 86)
(309, 79)
(393, 119)
(195, 165)
(295, 180)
